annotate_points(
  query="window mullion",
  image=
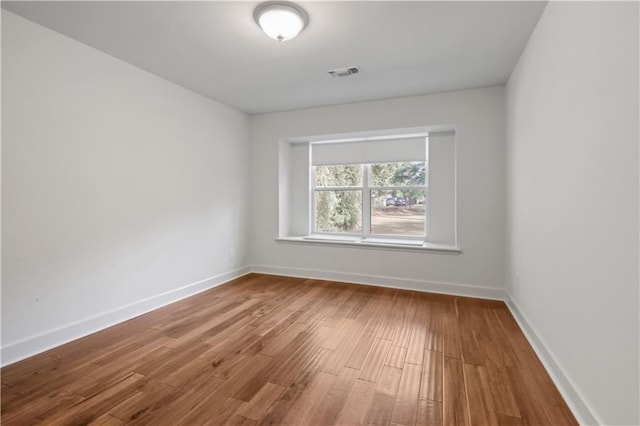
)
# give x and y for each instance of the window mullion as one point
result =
(312, 198)
(366, 201)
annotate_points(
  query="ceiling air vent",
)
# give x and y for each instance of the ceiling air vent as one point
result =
(343, 72)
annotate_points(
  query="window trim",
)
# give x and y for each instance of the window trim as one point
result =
(355, 243)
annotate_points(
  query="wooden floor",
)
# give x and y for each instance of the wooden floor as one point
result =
(273, 350)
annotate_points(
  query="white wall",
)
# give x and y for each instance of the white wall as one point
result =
(572, 105)
(117, 186)
(478, 117)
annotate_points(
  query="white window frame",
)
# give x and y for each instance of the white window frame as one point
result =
(366, 190)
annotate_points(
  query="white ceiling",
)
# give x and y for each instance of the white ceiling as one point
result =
(216, 49)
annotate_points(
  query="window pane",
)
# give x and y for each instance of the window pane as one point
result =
(338, 211)
(398, 212)
(398, 174)
(344, 175)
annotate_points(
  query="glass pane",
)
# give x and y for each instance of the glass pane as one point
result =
(343, 175)
(398, 174)
(339, 211)
(398, 212)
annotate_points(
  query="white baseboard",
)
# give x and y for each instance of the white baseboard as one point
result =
(33, 345)
(580, 407)
(385, 281)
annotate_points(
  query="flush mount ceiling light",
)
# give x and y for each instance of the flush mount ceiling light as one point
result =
(281, 20)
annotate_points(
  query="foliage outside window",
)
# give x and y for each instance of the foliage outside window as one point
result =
(384, 199)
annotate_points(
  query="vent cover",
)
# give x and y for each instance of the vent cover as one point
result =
(343, 72)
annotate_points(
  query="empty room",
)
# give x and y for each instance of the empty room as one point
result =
(320, 213)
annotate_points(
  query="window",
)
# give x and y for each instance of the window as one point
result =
(371, 200)
(380, 188)
(370, 188)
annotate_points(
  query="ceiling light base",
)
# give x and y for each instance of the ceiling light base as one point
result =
(281, 20)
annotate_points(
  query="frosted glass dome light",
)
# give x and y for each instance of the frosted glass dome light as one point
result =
(280, 20)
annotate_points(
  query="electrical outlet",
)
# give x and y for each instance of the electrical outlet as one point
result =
(232, 254)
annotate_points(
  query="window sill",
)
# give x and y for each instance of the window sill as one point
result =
(371, 243)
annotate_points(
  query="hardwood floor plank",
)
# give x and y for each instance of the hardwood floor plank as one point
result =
(36, 410)
(10, 398)
(22, 373)
(391, 315)
(107, 420)
(171, 406)
(142, 400)
(211, 359)
(405, 407)
(215, 413)
(434, 337)
(312, 291)
(336, 397)
(361, 350)
(303, 410)
(295, 349)
(39, 395)
(375, 360)
(193, 334)
(559, 414)
(357, 303)
(454, 403)
(265, 339)
(280, 408)
(504, 420)
(429, 413)
(269, 321)
(417, 342)
(471, 353)
(235, 326)
(310, 358)
(91, 408)
(532, 397)
(285, 338)
(342, 345)
(140, 361)
(273, 350)
(503, 399)
(418, 339)
(389, 380)
(379, 412)
(260, 403)
(479, 396)
(248, 374)
(431, 384)
(240, 421)
(396, 356)
(344, 332)
(173, 360)
(402, 332)
(355, 408)
(451, 346)
(183, 322)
